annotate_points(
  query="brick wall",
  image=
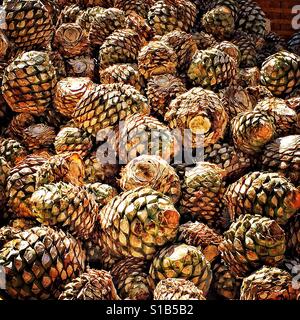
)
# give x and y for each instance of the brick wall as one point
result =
(280, 13)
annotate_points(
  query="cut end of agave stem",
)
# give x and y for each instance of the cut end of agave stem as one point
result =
(200, 125)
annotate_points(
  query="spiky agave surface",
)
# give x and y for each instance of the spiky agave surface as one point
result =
(148, 150)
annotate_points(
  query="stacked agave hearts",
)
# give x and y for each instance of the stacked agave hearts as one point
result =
(95, 98)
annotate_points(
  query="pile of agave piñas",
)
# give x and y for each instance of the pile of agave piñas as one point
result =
(74, 227)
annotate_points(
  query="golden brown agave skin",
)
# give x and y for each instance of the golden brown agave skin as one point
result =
(251, 18)
(285, 118)
(87, 16)
(234, 162)
(107, 260)
(38, 136)
(18, 124)
(7, 233)
(184, 46)
(157, 58)
(68, 13)
(97, 256)
(151, 171)
(4, 45)
(73, 140)
(102, 193)
(90, 285)
(249, 77)
(201, 112)
(68, 93)
(4, 174)
(12, 151)
(163, 17)
(248, 49)
(140, 7)
(21, 185)
(94, 252)
(266, 194)
(293, 235)
(53, 9)
(219, 21)
(22, 224)
(81, 66)
(231, 4)
(272, 44)
(45, 153)
(144, 135)
(177, 289)
(122, 46)
(131, 278)
(212, 69)
(235, 100)
(139, 25)
(168, 15)
(252, 130)
(58, 63)
(251, 242)
(29, 24)
(226, 284)
(101, 108)
(38, 262)
(283, 156)
(268, 283)
(204, 40)
(258, 93)
(137, 223)
(202, 190)
(280, 73)
(104, 24)
(198, 234)
(231, 49)
(123, 73)
(67, 167)
(95, 171)
(71, 40)
(28, 83)
(182, 261)
(161, 90)
(70, 207)
(3, 64)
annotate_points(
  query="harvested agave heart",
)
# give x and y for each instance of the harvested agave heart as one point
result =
(39, 261)
(137, 223)
(28, 83)
(182, 261)
(106, 105)
(149, 150)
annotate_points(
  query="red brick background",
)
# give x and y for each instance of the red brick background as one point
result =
(280, 13)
